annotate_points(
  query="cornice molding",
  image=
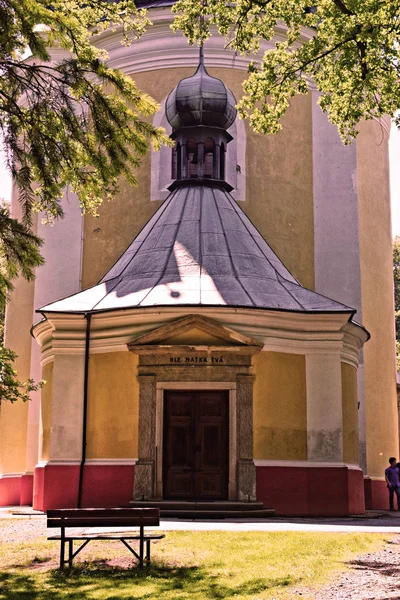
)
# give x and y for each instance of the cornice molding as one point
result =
(272, 330)
(353, 340)
(162, 48)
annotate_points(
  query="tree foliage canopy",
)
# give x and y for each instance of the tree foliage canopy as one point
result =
(69, 119)
(349, 49)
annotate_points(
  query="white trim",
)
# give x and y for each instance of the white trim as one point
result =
(375, 478)
(89, 461)
(261, 462)
(111, 461)
(11, 475)
(58, 463)
(197, 385)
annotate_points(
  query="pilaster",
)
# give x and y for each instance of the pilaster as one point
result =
(67, 407)
(246, 476)
(324, 408)
(143, 487)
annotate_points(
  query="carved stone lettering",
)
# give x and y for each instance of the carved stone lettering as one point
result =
(214, 360)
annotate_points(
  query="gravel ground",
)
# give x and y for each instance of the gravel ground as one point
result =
(20, 529)
(371, 577)
(374, 576)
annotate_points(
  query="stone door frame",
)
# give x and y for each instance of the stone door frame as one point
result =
(161, 386)
(212, 357)
(148, 469)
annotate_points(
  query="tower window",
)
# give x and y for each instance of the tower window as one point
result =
(209, 158)
(222, 162)
(193, 158)
(176, 164)
(165, 167)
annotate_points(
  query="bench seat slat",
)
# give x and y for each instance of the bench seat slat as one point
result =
(102, 512)
(101, 536)
(104, 522)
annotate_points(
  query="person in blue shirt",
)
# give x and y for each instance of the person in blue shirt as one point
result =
(393, 483)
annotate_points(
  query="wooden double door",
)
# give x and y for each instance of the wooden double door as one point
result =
(196, 445)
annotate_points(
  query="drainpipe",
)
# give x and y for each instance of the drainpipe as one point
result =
(88, 317)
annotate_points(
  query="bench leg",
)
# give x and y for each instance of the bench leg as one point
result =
(148, 551)
(62, 554)
(141, 551)
(70, 552)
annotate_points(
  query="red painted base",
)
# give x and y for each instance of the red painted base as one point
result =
(107, 485)
(10, 491)
(376, 495)
(56, 486)
(314, 491)
(26, 490)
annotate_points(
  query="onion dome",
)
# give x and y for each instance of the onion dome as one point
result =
(201, 100)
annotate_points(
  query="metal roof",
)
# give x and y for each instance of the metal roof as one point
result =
(198, 249)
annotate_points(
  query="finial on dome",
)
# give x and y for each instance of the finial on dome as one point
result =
(201, 55)
(200, 100)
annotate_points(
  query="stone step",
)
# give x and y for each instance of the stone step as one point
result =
(185, 505)
(207, 510)
(265, 513)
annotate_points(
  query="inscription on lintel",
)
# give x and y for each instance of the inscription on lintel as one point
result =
(195, 360)
(214, 360)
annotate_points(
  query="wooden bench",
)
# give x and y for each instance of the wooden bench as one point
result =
(104, 517)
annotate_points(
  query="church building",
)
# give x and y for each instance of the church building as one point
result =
(224, 332)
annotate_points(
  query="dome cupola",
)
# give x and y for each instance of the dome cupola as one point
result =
(200, 100)
(200, 109)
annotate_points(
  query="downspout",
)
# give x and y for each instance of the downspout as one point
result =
(88, 318)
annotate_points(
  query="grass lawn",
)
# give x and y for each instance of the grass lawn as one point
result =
(185, 566)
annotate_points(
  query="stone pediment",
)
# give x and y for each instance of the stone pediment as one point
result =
(194, 333)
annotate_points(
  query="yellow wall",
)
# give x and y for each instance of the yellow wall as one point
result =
(350, 414)
(279, 197)
(14, 417)
(46, 396)
(377, 297)
(113, 406)
(280, 406)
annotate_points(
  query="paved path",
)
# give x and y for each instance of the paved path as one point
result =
(386, 522)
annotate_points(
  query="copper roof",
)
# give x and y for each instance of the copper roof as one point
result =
(199, 249)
